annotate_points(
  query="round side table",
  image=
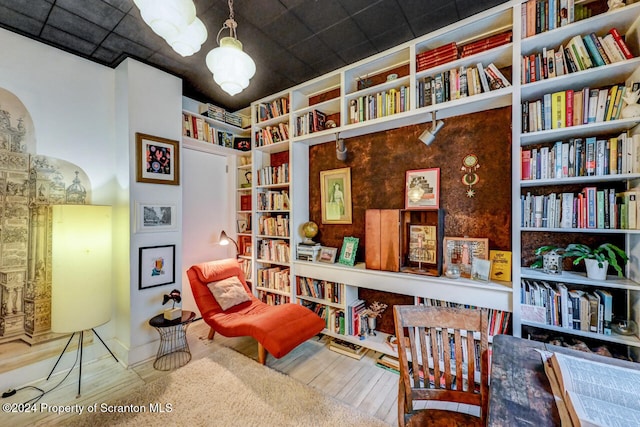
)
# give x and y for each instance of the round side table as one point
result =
(174, 348)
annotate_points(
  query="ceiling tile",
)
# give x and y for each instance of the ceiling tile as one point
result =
(75, 25)
(320, 15)
(67, 41)
(259, 13)
(105, 56)
(393, 37)
(355, 53)
(15, 21)
(123, 5)
(96, 11)
(135, 29)
(380, 18)
(433, 20)
(356, 6)
(118, 43)
(343, 35)
(311, 50)
(37, 9)
(287, 30)
(467, 8)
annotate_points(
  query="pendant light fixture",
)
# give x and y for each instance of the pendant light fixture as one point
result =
(231, 67)
(176, 22)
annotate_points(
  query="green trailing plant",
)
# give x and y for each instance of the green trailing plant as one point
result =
(543, 250)
(605, 252)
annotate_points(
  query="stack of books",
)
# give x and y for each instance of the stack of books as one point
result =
(348, 349)
(438, 56)
(389, 363)
(486, 43)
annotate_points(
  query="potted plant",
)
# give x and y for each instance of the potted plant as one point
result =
(371, 313)
(597, 260)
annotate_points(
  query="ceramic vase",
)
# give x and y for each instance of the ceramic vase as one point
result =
(371, 324)
(594, 271)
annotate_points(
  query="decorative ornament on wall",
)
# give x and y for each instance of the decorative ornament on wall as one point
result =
(470, 178)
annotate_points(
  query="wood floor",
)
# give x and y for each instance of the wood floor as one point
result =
(358, 383)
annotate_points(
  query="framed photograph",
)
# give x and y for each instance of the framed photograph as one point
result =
(328, 254)
(243, 242)
(348, 252)
(423, 244)
(156, 217)
(422, 189)
(480, 269)
(242, 143)
(247, 249)
(335, 196)
(242, 226)
(463, 250)
(157, 266)
(157, 160)
(225, 139)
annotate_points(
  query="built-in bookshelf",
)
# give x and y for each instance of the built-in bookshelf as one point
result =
(336, 96)
(244, 228)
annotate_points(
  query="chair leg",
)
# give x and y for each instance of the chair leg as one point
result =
(211, 334)
(262, 354)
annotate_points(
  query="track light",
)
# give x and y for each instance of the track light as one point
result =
(429, 135)
(341, 149)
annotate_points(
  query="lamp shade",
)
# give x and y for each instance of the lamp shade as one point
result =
(80, 267)
(231, 67)
(167, 18)
(189, 41)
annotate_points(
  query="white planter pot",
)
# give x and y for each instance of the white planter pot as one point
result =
(594, 272)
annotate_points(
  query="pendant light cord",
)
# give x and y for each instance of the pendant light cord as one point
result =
(230, 23)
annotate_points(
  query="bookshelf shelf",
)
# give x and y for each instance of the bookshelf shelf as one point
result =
(578, 180)
(591, 129)
(618, 339)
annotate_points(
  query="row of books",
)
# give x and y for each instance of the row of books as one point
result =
(451, 51)
(245, 266)
(499, 321)
(317, 308)
(573, 108)
(335, 321)
(273, 225)
(274, 278)
(557, 305)
(381, 104)
(273, 201)
(353, 313)
(320, 289)
(311, 122)
(270, 175)
(580, 53)
(590, 156)
(592, 208)
(272, 134)
(197, 128)
(269, 110)
(459, 83)
(539, 16)
(273, 299)
(274, 250)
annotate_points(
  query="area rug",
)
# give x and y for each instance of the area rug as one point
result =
(227, 389)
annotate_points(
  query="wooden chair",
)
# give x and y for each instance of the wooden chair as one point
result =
(453, 364)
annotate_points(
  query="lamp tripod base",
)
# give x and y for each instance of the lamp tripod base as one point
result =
(80, 347)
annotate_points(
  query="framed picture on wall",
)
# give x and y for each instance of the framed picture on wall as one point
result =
(157, 266)
(422, 189)
(335, 196)
(152, 217)
(157, 160)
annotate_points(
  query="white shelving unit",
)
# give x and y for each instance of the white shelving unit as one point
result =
(342, 84)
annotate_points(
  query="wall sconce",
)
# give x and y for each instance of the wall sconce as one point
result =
(224, 241)
(429, 135)
(176, 22)
(341, 149)
(231, 67)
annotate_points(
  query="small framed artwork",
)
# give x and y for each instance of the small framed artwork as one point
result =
(422, 243)
(335, 196)
(422, 189)
(225, 139)
(480, 269)
(242, 226)
(155, 217)
(242, 143)
(247, 249)
(243, 241)
(157, 266)
(157, 160)
(348, 252)
(328, 254)
(463, 250)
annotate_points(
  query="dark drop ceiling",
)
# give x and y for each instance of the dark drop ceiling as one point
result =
(291, 41)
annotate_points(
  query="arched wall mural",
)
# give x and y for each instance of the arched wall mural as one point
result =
(29, 185)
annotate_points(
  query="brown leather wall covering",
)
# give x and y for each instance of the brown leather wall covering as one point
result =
(379, 161)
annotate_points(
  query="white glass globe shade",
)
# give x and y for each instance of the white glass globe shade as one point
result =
(190, 40)
(167, 17)
(231, 67)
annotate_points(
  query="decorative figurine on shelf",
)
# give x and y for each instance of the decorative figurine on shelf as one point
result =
(172, 313)
(615, 4)
(632, 109)
(371, 314)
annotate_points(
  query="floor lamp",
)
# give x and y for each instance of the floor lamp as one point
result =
(81, 273)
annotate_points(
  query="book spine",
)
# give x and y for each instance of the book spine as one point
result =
(621, 43)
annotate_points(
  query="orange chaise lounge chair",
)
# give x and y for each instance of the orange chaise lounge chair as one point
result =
(228, 307)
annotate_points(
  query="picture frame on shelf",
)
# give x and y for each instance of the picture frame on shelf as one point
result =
(462, 251)
(242, 226)
(243, 241)
(335, 196)
(247, 249)
(225, 139)
(157, 160)
(242, 143)
(422, 244)
(480, 269)
(156, 217)
(157, 266)
(422, 189)
(349, 250)
(328, 254)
